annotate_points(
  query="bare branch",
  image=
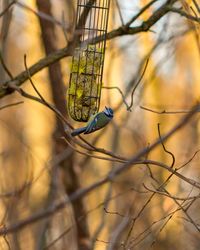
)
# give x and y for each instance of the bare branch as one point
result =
(164, 112)
(68, 51)
(134, 18)
(11, 105)
(184, 14)
(42, 15)
(120, 13)
(7, 8)
(5, 67)
(196, 5)
(167, 151)
(121, 93)
(137, 83)
(85, 191)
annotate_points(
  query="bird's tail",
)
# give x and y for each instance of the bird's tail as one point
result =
(78, 131)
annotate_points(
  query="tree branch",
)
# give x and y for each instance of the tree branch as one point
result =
(135, 160)
(68, 51)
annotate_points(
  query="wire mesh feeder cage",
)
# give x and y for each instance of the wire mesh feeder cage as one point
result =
(86, 74)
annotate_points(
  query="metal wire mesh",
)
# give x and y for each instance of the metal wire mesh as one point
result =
(87, 63)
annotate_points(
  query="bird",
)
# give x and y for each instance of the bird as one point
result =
(96, 122)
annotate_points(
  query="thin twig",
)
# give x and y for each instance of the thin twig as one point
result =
(42, 100)
(184, 14)
(169, 195)
(85, 191)
(7, 242)
(140, 13)
(196, 5)
(133, 91)
(182, 166)
(102, 223)
(167, 151)
(33, 85)
(120, 13)
(121, 93)
(42, 15)
(87, 213)
(91, 155)
(7, 8)
(137, 83)
(5, 67)
(164, 112)
(11, 105)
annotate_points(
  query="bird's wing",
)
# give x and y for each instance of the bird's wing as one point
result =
(92, 125)
(78, 131)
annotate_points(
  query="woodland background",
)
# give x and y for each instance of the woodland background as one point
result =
(134, 184)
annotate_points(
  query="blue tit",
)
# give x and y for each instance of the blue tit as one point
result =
(96, 122)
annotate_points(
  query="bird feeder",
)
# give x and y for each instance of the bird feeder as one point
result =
(86, 74)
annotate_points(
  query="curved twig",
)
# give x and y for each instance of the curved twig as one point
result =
(137, 83)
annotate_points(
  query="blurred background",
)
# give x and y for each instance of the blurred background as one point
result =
(39, 169)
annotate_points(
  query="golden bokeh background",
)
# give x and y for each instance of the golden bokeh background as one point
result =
(170, 83)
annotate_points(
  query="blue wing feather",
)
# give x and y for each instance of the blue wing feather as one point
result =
(96, 122)
(78, 131)
(92, 125)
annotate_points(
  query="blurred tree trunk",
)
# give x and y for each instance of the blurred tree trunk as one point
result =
(5, 26)
(14, 149)
(71, 181)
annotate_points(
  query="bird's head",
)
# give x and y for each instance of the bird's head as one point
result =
(108, 112)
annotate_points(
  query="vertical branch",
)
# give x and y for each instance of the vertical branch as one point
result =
(14, 146)
(71, 181)
(6, 21)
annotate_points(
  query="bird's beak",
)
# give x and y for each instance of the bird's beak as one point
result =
(106, 107)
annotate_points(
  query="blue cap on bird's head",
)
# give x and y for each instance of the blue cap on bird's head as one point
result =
(109, 112)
